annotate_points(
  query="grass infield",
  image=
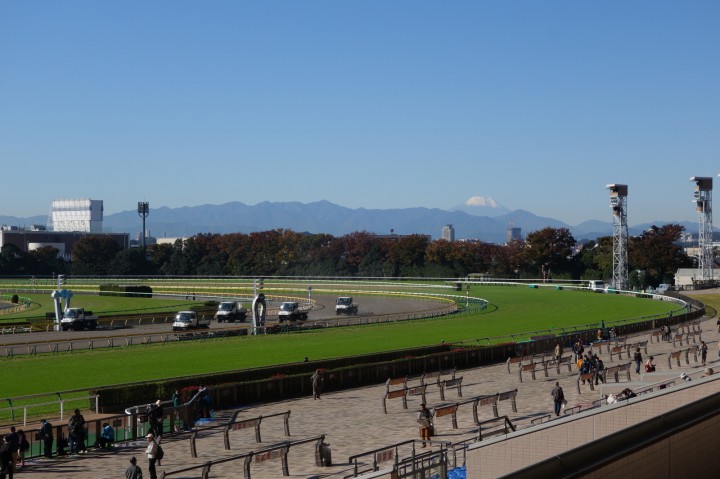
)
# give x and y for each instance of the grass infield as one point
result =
(513, 310)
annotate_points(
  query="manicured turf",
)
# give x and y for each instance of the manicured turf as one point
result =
(516, 309)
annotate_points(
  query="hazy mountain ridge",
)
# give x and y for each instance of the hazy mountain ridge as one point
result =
(327, 217)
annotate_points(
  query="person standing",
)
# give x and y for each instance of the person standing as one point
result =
(176, 401)
(6, 468)
(23, 447)
(558, 351)
(317, 383)
(425, 421)
(152, 453)
(155, 418)
(14, 441)
(703, 352)
(638, 360)
(76, 430)
(46, 435)
(558, 397)
(133, 471)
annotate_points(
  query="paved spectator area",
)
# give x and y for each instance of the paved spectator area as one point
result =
(353, 421)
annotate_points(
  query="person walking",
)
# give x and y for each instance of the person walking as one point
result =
(425, 421)
(558, 397)
(133, 471)
(317, 383)
(703, 352)
(638, 360)
(46, 436)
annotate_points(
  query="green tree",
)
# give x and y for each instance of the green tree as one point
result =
(549, 249)
(658, 253)
(93, 255)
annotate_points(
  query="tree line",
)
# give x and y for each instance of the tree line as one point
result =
(550, 253)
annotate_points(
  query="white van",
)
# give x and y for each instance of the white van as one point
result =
(596, 285)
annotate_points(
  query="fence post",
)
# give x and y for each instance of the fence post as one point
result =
(286, 420)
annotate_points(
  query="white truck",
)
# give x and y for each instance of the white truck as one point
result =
(185, 320)
(596, 285)
(230, 311)
(345, 305)
(78, 319)
(291, 311)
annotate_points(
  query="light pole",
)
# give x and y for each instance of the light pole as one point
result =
(703, 205)
(143, 211)
(618, 203)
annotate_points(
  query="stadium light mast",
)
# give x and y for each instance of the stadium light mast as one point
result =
(703, 205)
(143, 211)
(618, 203)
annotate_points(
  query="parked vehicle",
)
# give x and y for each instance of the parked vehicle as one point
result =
(345, 305)
(185, 320)
(596, 285)
(230, 311)
(78, 319)
(292, 311)
(663, 288)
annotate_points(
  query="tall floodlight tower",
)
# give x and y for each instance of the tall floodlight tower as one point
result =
(703, 205)
(618, 203)
(143, 212)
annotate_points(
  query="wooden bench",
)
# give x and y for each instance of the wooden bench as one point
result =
(623, 368)
(655, 335)
(679, 338)
(418, 391)
(612, 371)
(615, 343)
(631, 348)
(509, 395)
(498, 425)
(527, 368)
(447, 410)
(694, 350)
(518, 359)
(395, 393)
(674, 355)
(485, 401)
(618, 350)
(589, 377)
(455, 383)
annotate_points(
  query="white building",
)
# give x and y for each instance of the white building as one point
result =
(77, 215)
(448, 233)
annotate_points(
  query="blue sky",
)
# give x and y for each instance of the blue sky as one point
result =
(373, 104)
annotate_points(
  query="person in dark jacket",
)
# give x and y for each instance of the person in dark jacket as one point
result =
(6, 468)
(46, 436)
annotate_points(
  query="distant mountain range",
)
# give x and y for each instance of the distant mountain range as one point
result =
(478, 218)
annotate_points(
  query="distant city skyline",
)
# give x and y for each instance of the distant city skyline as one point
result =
(376, 105)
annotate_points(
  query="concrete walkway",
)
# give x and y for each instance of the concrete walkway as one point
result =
(353, 421)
